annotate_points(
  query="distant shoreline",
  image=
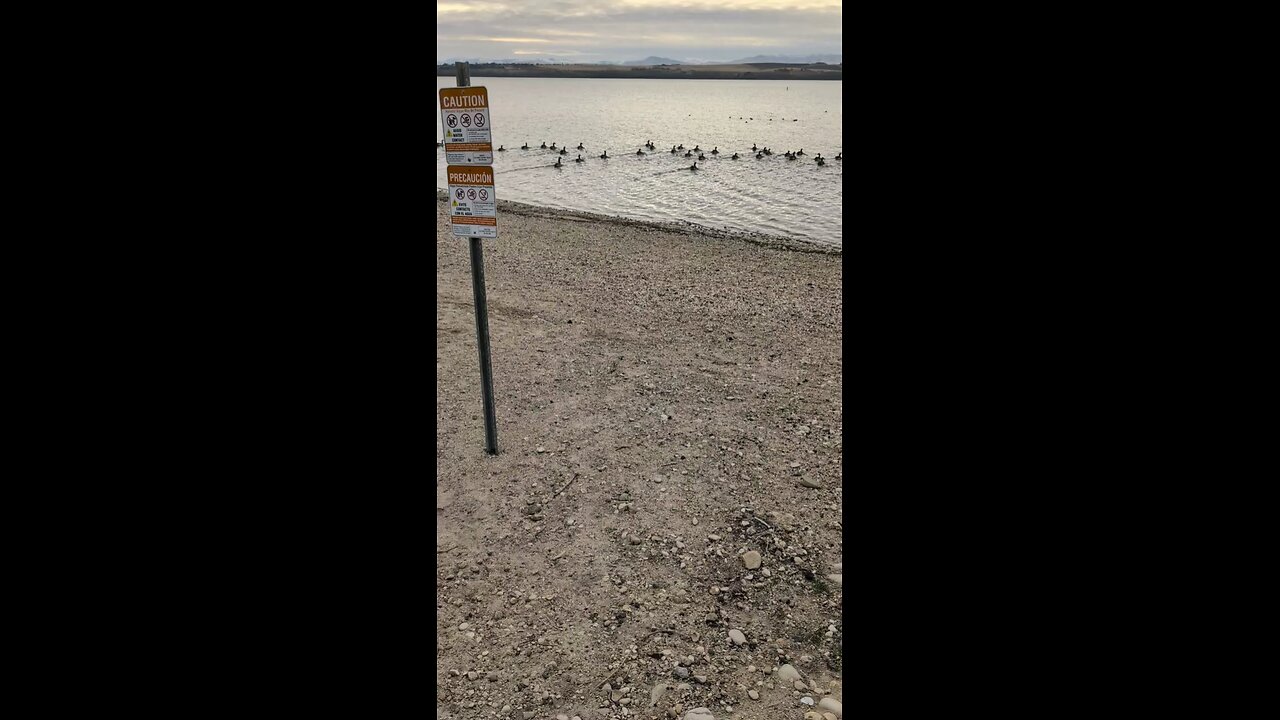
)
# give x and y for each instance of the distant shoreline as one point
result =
(753, 71)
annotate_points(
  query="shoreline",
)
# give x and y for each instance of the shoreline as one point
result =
(777, 242)
(669, 475)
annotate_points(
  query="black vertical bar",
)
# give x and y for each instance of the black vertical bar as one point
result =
(482, 316)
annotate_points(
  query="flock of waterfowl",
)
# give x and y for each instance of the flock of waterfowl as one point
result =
(760, 153)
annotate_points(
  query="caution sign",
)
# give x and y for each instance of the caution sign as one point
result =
(467, 137)
(473, 208)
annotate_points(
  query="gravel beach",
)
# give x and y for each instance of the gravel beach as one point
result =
(660, 532)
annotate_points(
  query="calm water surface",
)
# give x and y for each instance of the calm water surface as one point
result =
(775, 196)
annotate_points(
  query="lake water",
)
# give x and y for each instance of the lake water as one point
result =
(774, 195)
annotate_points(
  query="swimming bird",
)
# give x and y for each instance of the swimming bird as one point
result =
(557, 163)
(544, 145)
(715, 150)
(735, 156)
(839, 154)
(605, 156)
(697, 149)
(553, 146)
(821, 162)
(681, 147)
(701, 156)
(673, 149)
(801, 151)
(501, 149)
(693, 166)
(688, 153)
(754, 148)
(791, 156)
(759, 155)
(579, 159)
(580, 147)
(524, 146)
(563, 151)
(639, 151)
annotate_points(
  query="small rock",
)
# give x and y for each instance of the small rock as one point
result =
(713, 537)
(836, 578)
(464, 626)
(492, 676)
(737, 637)
(532, 509)
(527, 715)
(787, 673)
(681, 672)
(657, 478)
(472, 675)
(766, 572)
(699, 714)
(812, 716)
(829, 716)
(809, 482)
(795, 464)
(635, 540)
(624, 701)
(806, 700)
(832, 706)
(656, 693)
(695, 521)
(799, 685)
(617, 695)
(541, 449)
(753, 694)
(751, 559)
(562, 716)
(701, 679)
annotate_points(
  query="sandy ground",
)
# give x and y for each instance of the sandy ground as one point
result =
(667, 401)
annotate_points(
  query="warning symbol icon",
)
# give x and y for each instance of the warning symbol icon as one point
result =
(466, 120)
(459, 193)
(471, 194)
(479, 120)
(484, 194)
(452, 120)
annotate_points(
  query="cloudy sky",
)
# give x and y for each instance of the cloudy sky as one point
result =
(596, 30)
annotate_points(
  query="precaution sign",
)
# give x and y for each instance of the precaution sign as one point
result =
(473, 207)
(468, 140)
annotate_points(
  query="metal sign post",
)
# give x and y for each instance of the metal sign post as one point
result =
(477, 268)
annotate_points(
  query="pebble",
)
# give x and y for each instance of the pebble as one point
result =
(562, 716)
(832, 706)
(699, 714)
(807, 700)
(635, 540)
(682, 672)
(657, 478)
(766, 572)
(472, 675)
(527, 715)
(492, 676)
(737, 637)
(829, 716)
(810, 483)
(787, 673)
(836, 578)
(541, 449)
(799, 685)
(701, 679)
(695, 521)
(753, 694)
(464, 626)
(713, 537)
(795, 464)
(714, 590)
(751, 559)
(812, 716)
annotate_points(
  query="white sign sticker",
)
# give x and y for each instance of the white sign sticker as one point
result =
(468, 140)
(473, 207)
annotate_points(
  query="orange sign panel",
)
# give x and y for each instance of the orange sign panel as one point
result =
(473, 207)
(468, 140)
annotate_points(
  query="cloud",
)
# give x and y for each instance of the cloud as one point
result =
(632, 29)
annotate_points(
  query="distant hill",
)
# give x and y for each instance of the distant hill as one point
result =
(653, 60)
(829, 59)
(756, 71)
